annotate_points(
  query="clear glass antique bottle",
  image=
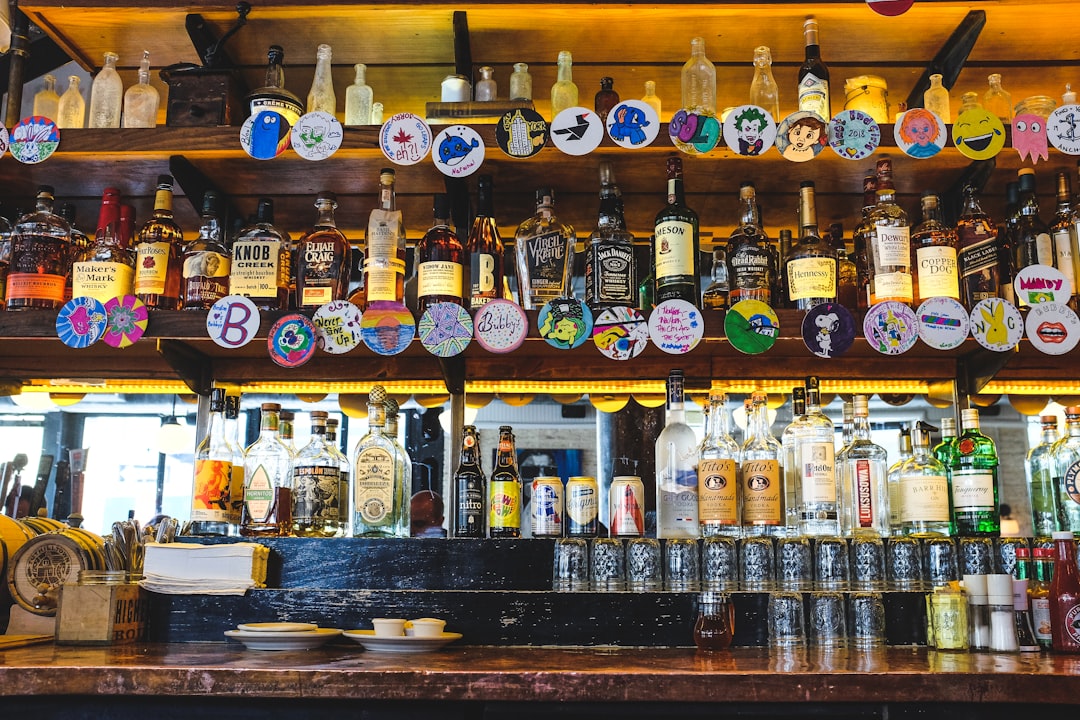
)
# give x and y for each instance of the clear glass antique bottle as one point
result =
(211, 502)
(1064, 233)
(402, 464)
(817, 494)
(564, 93)
(206, 259)
(864, 489)
(905, 453)
(651, 98)
(718, 474)
(158, 250)
(924, 499)
(1066, 452)
(504, 489)
(933, 255)
(486, 89)
(439, 260)
(316, 510)
(715, 296)
(606, 98)
(750, 265)
(485, 249)
(267, 508)
(544, 249)
(997, 100)
(376, 113)
(323, 258)
(936, 99)
(40, 257)
(811, 265)
(675, 244)
(236, 487)
(46, 100)
(470, 487)
(763, 89)
(261, 266)
(889, 250)
(814, 75)
(106, 269)
(969, 101)
(1042, 495)
(321, 96)
(610, 273)
(377, 509)
(344, 473)
(71, 108)
(520, 82)
(699, 81)
(761, 481)
(358, 98)
(273, 95)
(676, 463)
(1032, 244)
(980, 254)
(384, 259)
(142, 99)
(106, 95)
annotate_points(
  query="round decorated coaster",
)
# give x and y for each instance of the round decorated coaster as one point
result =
(620, 333)
(126, 319)
(943, 322)
(459, 151)
(633, 124)
(920, 133)
(521, 133)
(291, 341)
(387, 328)
(978, 134)
(317, 135)
(750, 130)
(751, 326)
(996, 324)
(853, 134)
(265, 135)
(1053, 328)
(81, 322)
(694, 133)
(890, 328)
(34, 139)
(676, 326)
(1060, 130)
(801, 136)
(500, 326)
(828, 330)
(337, 327)
(405, 139)
(445, 329)
(565, 323)
(1029, 136)
(1041, 283)
(233, 321)
(577, 131)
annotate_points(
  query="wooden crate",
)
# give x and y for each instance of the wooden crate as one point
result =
(101, 614)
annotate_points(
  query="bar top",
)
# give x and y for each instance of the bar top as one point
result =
(476, 673)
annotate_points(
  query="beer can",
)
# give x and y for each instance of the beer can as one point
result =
(582, 507)
(626, 506)
(547, 507)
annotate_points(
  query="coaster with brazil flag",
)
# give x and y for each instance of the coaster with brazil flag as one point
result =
(751, 327)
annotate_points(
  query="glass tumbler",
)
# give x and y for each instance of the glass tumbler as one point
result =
(905, 563)
(976, 556)
(756, 562)
(942, 566)
(571, 565)
(682, 565)
(643, 569)
(719, 563)
(608, 564)
(794, 563)
(787, 621)
(867, 619)
(867, 563)
(828, 619)
(832, 568)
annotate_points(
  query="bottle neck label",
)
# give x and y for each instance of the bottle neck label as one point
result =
(814, 95)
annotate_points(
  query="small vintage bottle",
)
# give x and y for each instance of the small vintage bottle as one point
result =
(71, 108)
(439, 261)
(1039, 592)
(46, 100)
(1065, 595)
(936, 99)
(376, 113)
(106, 269)
(545, 255)
(718, 474)
(316, 510)
(485, 250)
(358, 98)
(323, 258)
(486, 89)
(675, 245)
(933, 255)
(273, 95)
(763, 89)
(997, 100)
(40, 257)
(699, 81)
(715, 296)
(504, 490)
(267, 510)
(377, 507)
(384, 259)
(106, 95)
(470, 487)
(606, 98)
(321, 96)
(142, 99)
(610, 274)
(520, 82)
(564, 93)
(158, 250)
(651, 98)
(206, 260)
(261, 266)
(211, 500)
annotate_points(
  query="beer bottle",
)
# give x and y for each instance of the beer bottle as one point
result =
(469, 487)
(504, 490)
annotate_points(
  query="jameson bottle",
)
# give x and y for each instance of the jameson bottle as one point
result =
(933, 255)
(485, 250)
(761, 474)
(610, 274)
(377, 507)
(750, 264)
(1042, 494)
(323, 258)
(211, 501)
(439, 260)
(267, 481)
(384, 258)
(317, 485)
(206, 259)
(40, 257)
(545, 255)
(676, 473)
(470, 487)
(974, 479)
(675, 244)
(717, 473)
(158, 266)
(811, 266)
(504, 490)
(261, 267)
(105, 269)
(890, 244)
(814, 75)
(980, 255)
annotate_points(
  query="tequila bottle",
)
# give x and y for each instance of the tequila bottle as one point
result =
(211, 502)
(610, 277)
(699, 81)
(40, 257)
(997, 100)
(286, 430)
(236, 487)
(718, 474)
(142, 99)
(1032, 244)
(402, 464)
(323, 258)
(377, 509)
(158, 250)
(486, 89)
(261, 266)
(1042, 495)
(504, 490)
(761, 474)
(344, 471)
(321, 96)
(651, 98)
(358, 98)
(936, 99)
(206, 260)
(606, 98)
(106, 95)
(675, 243)
(980, 253)
(273, 96)
(763, 89)
(933, 255)
(1066, 452)
(865, 492)
(811, 266)
(1063, 232)
(814, 75)
(564, 93)
(316, 510)
(924, 498)
(267, 508)
(676, 468)
(545, 255)
(817, 498)
(750, 265)
(889, 251)
(71, 108)
(905, 453)
(439, 260)
(46, 100)
(106, 269)
(485, 250)
(520, 82)
(470, 487)
(384, 260)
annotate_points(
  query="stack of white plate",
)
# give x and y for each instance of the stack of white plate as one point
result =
(281, 635)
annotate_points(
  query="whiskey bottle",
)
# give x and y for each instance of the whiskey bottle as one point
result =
(344, 472)
(1042, 495)
(158, 267)
(1063, 232)
(106, 269)
(847, 272)
(761, 475)
(470, 487)
(106, 95)
(980, 255)
(814, 75)
(817, 494)
(211, 500)
(316, 509)
(811, 264)
(504, 490)
(206, 260)
(933, 255)
(544, 247)
(273, 95)
(402, 464)
(1066, 452)
(236, 487)
(323, 258)
(377, 508)
(610, 275)
(750, 265)
(321, 96)
(40, 257)
(889, 251)
(675, 243)
(676, 468)
(384, 260)
(485, 249)
(1032, 244)
(261, 268)
(864, 489)
(439, 260)
(861, 238)
(718, 474)
(142, 99)
(267, 508)
(924, 499)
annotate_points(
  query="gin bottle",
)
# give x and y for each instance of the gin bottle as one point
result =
(564, 93)
(377, 509)
(262, 262)
(141, 100)
(761, 481)
(316, 484)
(71, 108)
(676, 468)
(46, 101)
(924, 501)
(323, 258)
(889, 250)
(750, 265)
(206, 260)
(105, 270)
(358, 98)
(610, 277)
(158, 253)
(974, 480)
(520, 82)
(933, 255)
(814, 75)
(718, 474)
(384, 260)
(211, 504)
(1042, 495)
(106, 95)
(865, 492)
(1066, 452)
(817, 498)
(544, 247)
(763, 90)
(504, 490)
(402, 464)
(485, 250)
(470, 487)
(936, 99)
(321, 95)
(699, 81)
(267, 508)
(675, 243)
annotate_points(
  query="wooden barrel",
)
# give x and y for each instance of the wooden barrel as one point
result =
(45, 562)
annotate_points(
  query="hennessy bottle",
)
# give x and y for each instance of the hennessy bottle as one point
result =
(811, 266)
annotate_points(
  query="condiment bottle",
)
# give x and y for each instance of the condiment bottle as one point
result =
(1002, 616)
(1025, 631)
(1065, 595)
(978, 612)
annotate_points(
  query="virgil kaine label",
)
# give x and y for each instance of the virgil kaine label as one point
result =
(546, 256)
(609, 274)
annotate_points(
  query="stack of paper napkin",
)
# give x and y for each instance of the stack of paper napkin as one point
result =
(193, 569)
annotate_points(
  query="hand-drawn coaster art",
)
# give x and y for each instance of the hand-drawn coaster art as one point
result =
(1061, 129)
(405, 139)
(750, 130)
(828, 330)
(801, 136)
(521, 133)
(694, 133)
(996, 324)
(500, 326)
(337, 327)
(291, 341)
(978, 134)
(565, 323)
(317, 135)
(459, 151)
(621, 333)
(577, 131)
(890, 8)
(81, 322)
(126, 320)
(265, 135)
(1041, 283)
(920, 133)
(891, 328)
(1053, 328)
(853, 134)
(1029, 137)
(33, 139)
(943, 323)
(633, 124)
(445, 329)
(676, 326)
(751, 327)
(387, 328)
(233, 321)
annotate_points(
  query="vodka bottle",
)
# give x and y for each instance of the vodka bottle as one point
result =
(718, 495)
(267, 480)
(106, 95)
(817, 499)
(142, 99)
(321, 95)
(974, 480)
(46, 101)
(377, 510)
(317, 484)
(760, 465)
(676, 469)
(1042, 495)
(924, 503)
(1066, 452)
(358, 98)
(210, 498)
(71, 108)
(865, 493)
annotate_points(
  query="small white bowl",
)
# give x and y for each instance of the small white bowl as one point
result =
(388, 627)
(428, 627)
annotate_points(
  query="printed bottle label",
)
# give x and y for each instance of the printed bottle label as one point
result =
(937, 272)
(717, 492)
(972, 491)
(761, 493)
(374, 485)
(505, 511)
(31, 286)
(674, 249)
(101, 280)
(1044, 249)
(892, 286)
(482, 278)
(211, 496)
(1040, 616)
(892, 247)
(817, 472)
(814, 95)
(259, 496)
(1064, 256)
(151, 266)
(863, 491)
(924, 498)
(256, 270)
(812, 277)
(315, 493)
(439, 278)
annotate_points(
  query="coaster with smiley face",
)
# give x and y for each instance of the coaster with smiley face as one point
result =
(1053, 328)
(801, 136)
(828, 330)
(978, 134)
(853, 134)
(621, 333)
(890, 328)
(565, 323)
(676, 326)
(750, 130)
(920, 133)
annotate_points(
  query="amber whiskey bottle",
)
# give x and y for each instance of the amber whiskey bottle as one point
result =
(40, 257)
(439, 257)
(323, 258)
(158, 252)
(484, 247)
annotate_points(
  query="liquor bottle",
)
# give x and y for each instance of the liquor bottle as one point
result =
(470, 487)
(126, 232)
(847, 272)
(439, 261)
(1042, 494)
(817, 498)
(606, 98)
(106, 95)
(865, 492)
(142, 99)
(40, 257)
(969, 101)
(1032, 244)
(675, 243)
(1065, 595)
(158, 266)
(273, 95)
(651, 98)
(1063, 231)
(71, 108)
(1039, 593)
(286, 430)
(377, 509)
(267, 508)
(718, 474)
(321, 96)
(974, 480)
(358, 98)
(936, 99)
(323, 258)
(106, 269)
(236, 486)
(763, 89)
(814, 75)
(261, 264)
(564, 93)
(46, 100)
(610, 276)
(889, 250)
(485, 250)
(980, 255)
(933, 255)
(905, 452)
(698, 81)
(761, 482)
(997, 100)
(80, 243)
(520, 82)
(316, 509)
(544, 247)
(486, 89)
(211, 501)
(344, 472)
(676, 468)
(847, 433)
(811, 265)
(206, 260)
(861, 238)
(924, 500)
(504, 490)
(1066, 452)
(945, 450)
(715, 296)
(384, 259)
(750, 265)
(402, 465)
(788, 464)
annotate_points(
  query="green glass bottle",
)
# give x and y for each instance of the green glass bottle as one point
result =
(1046, 516)
(675, 244)
(974, 480)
